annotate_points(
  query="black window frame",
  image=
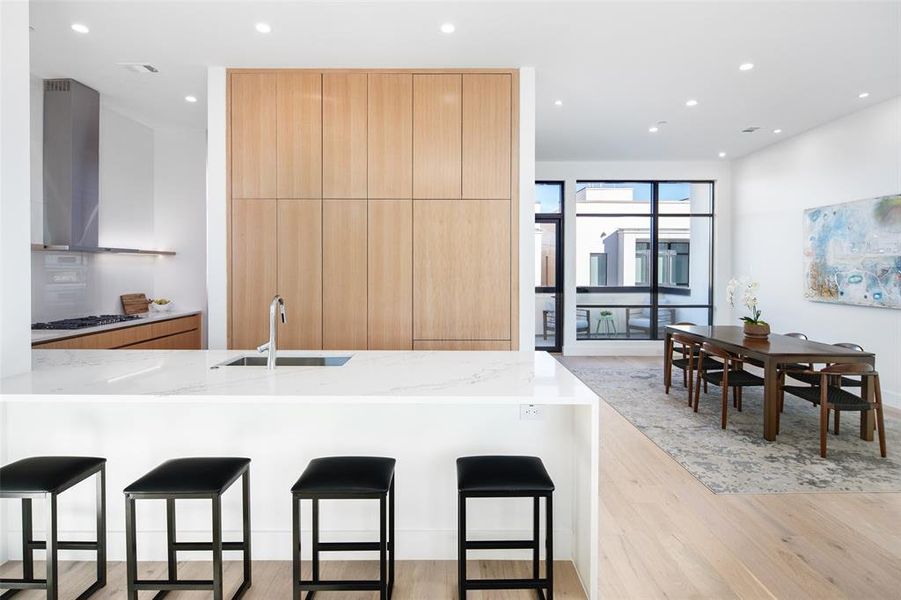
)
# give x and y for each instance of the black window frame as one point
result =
(557, 289)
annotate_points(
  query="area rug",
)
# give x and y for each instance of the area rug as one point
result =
(738, 460)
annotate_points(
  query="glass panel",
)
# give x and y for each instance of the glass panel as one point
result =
(596, 321)
(613, 251)
(548, 198)
(600, 197)
(685, 197)
(683, 260)
(545, 321)
(676, 314)
(545, 254)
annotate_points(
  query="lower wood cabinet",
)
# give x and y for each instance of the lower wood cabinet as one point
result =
(390, 296)
(461, 270)
(253, 280)
(461, 345)
(300, 273)
(344, 275)
(180, 333)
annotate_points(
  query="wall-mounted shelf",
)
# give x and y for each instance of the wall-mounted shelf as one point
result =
(99, 250)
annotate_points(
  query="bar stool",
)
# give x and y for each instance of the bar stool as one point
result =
(506, 477)
(181, 479)
(47, 477)
(346, 477)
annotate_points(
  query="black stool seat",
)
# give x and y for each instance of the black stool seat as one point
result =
(346, 475)
(502, 474)
(47, 474)
(201, 475)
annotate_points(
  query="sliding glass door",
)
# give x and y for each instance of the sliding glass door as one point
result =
(548, 265)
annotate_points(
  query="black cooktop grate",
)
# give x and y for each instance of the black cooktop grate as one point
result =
(82, 322)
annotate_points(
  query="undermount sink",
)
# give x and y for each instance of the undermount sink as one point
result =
(286, 361)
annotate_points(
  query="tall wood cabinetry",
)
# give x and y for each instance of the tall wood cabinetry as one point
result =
(381, 205)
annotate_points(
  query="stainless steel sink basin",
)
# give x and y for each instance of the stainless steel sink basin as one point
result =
(286, 361)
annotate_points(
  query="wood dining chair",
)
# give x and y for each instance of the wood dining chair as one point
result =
(732, 375)
(814, 380)
(829, 394)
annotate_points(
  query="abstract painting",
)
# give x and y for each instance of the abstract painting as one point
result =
(852, 252)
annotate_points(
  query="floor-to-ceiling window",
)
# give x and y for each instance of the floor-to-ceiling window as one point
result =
(644, 257)
(548, 265)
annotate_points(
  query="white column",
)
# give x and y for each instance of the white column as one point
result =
(216, 211)
(15, 190)
(526, 209)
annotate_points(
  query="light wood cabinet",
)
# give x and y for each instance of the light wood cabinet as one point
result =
(299, 147)
(487, 130)
(253, 280)
(253, 135)
(461, 345)
(461, 270)
(344, 133)
(177, 333)
(390, 135)
(390, 274)
(300, 273)
(344, 274)
(437, 138)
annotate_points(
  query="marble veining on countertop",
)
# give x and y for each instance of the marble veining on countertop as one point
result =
(398, 376)
(48, 335)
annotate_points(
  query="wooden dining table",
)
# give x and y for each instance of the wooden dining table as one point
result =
(771, 352)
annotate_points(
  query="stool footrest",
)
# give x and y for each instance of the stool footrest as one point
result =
(500, 544)
(345, 585)
(348, 546)
(63, 545)
(170, 584)
(505, 584)
(206, 546)
(23, 584)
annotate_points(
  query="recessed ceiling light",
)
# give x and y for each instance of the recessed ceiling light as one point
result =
(263, 27)
(448, 28)
(80, 28)
(863, 95)
(691, 103)
(191, 99)
(777, 131)
(745, 66)
(558, 102)
(653, 129)
(722, 155)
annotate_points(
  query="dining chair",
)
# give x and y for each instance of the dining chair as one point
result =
(732, 375)
(688, 362)
(814, 380)
(829, 394)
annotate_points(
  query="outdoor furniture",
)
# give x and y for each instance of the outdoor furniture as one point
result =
(829, 395)
(609, 321)
(774, 351)
(640, 319)
(549, 321)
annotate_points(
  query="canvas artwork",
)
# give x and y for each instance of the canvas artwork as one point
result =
(852, 252)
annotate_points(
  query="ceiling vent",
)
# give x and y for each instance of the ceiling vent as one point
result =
(139, 67)
(750, 129)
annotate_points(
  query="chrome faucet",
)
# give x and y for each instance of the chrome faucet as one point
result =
(272, 344)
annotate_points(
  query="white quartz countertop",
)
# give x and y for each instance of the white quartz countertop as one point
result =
(369, 376)
(47, 335)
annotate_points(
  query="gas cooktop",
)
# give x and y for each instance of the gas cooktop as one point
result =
(82, 322)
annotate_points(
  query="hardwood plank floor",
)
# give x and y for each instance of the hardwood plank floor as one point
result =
(663, 535)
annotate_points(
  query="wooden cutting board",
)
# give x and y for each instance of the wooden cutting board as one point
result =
(134, 304)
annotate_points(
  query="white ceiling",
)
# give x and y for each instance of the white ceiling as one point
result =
(618, 67)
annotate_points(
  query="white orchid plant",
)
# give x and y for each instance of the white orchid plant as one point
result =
(748, 289)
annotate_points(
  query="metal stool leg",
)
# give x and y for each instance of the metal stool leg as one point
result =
(101, 527)
(461, 545)
(27, 538)
(217, 548)
(245, 526)
(536, 558)
(383, 549)
(171, 558)
(391, 539)
(549, 538)
(52, 549)
(315, 544)
(131, 550)
(295, 546)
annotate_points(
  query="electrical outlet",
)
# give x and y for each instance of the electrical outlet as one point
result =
(530, 412)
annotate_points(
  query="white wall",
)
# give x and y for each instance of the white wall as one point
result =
(15, 298)
(855, 157)
(179, 209)
(571, 171)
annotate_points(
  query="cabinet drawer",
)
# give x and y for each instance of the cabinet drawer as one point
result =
(173, 326)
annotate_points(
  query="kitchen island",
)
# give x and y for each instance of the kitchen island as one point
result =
(139, 408)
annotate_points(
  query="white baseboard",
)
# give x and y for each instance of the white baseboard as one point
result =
(615, 348)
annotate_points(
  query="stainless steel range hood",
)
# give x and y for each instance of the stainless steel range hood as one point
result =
(72, 169)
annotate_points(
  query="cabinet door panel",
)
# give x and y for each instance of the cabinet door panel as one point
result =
(461, 270)
(300, 273)
(390, 135)
(253, 270)
(344, 133)
(462, 345)
(253, 137)
(437, 140)
(299, 135)
(344, 275)
(487, 134)
(390, 275)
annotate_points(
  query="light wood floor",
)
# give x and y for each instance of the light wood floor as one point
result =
(663, 535)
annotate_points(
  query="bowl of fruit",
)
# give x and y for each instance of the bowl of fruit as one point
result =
(161, 305)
